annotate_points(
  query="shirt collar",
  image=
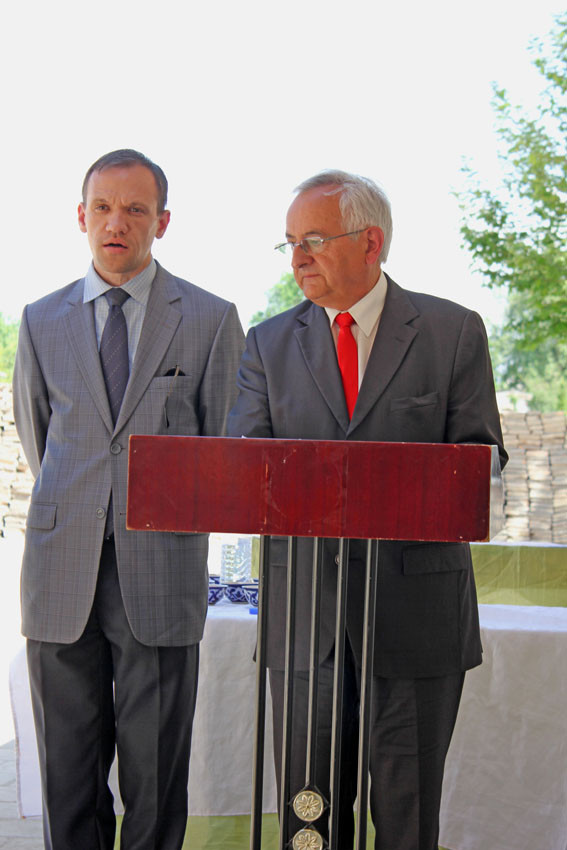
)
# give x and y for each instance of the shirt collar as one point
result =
(137, 288)
(368, 310)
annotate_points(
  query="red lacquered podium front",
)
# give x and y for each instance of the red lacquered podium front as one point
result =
(312, 488)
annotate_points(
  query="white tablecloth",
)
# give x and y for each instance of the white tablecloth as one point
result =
(506, 775)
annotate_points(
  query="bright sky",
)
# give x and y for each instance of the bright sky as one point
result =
(239, 102)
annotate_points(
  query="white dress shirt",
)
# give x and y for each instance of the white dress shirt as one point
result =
(366, 314)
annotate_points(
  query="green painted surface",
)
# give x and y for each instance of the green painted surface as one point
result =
(521, 575)
(233, 833)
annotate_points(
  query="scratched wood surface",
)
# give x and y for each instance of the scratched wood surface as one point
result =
(312, 488)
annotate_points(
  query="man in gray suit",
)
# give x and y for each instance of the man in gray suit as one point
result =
(419, 372)
(114, 618)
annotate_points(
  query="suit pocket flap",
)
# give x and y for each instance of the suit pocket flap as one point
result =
(435, 558)
(41, 516)
(414, 401)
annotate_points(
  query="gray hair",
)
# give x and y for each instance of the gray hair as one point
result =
(362, 203)
(126, 158)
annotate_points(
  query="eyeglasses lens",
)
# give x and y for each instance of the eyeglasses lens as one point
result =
(312, 245)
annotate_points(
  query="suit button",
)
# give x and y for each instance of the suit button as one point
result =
(337, 560)
(115, 448)
(101, 513)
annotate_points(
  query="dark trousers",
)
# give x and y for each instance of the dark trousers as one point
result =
(412, 724)
(108, 691)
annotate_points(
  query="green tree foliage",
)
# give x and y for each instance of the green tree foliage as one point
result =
(8, 343)
(540, 372)
(517, 234)
(281, 296)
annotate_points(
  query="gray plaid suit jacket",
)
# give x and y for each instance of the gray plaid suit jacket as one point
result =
(78, 457)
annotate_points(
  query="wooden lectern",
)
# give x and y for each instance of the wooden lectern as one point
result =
(313, 488)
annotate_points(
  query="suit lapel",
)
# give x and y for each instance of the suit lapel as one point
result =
(80, 327)
(393, 340)
(160, 323)
(316, 343)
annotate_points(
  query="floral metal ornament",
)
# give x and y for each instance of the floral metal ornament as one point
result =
(307, 839)
(308, 805)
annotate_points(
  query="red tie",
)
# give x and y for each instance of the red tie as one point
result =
(347, 354)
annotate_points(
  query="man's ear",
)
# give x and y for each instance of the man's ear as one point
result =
(375, 237)
(81, 215)
(163, 221)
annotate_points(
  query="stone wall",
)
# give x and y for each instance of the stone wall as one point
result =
(535, 479)
(15, 478)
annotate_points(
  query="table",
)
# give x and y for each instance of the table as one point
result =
(506, 775)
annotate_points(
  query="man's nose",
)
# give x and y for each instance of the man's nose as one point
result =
(116, 222)
(299, 257)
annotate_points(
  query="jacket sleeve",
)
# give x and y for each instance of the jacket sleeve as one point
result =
(472, 413)
(218, 387)
(32, 410)
(250, 416)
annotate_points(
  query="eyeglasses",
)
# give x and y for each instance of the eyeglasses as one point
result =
(313, 244)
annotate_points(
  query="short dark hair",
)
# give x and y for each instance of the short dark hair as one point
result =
(127, 157)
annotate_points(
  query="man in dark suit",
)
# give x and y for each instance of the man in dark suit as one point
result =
(114, 618)
(419, 372)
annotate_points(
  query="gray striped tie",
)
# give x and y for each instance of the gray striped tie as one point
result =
(114, 350)
(115, 364)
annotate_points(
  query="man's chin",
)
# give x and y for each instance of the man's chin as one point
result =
(115, 261)
(115, 273)
(312, 292)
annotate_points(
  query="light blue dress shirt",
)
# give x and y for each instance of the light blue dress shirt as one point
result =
(134, 308)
